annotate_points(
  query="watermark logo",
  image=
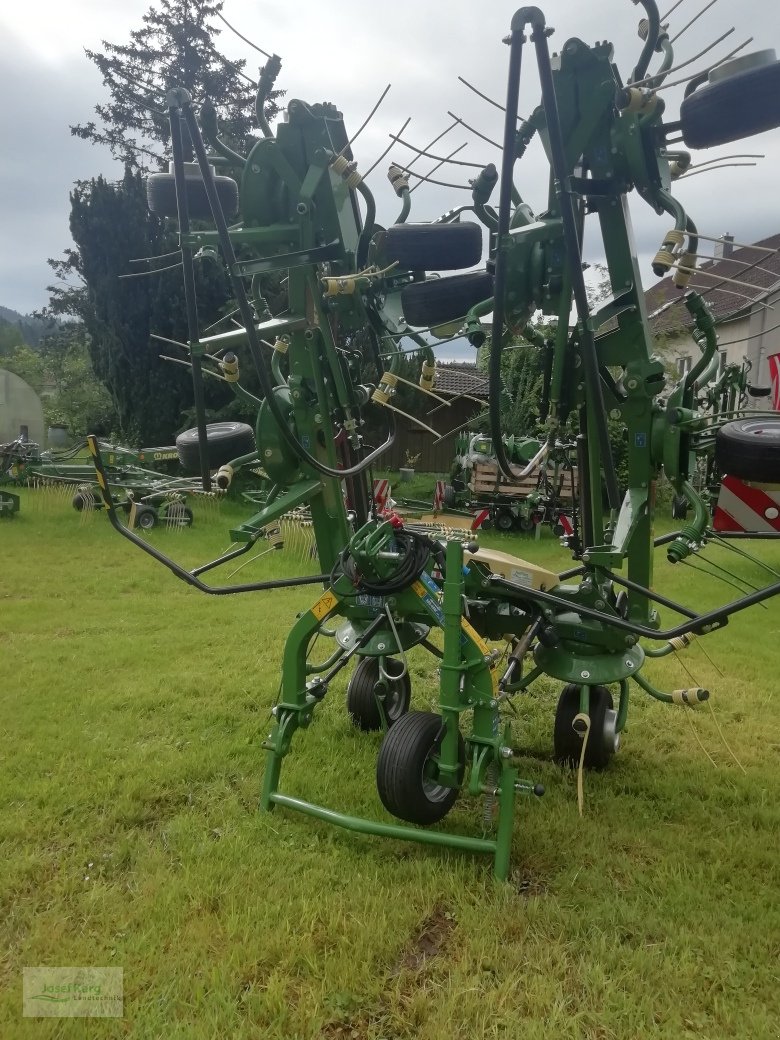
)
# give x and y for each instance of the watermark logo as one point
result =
(72, 992)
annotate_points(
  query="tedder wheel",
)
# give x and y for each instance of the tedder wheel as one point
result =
(225, 441)
(433, 247)
(178, 515)
(450, 494)
(402, 770)
(439, 301)
(362, 698)
(737, 102)
(603, 738)
(81, 500)
(145, 518)
(161, 196)
(749, 449)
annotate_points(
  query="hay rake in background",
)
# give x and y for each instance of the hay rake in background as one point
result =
(147, 496)
(332, 350)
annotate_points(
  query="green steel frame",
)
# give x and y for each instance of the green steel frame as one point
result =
(386, 590)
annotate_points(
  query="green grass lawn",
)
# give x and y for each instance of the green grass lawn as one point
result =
(132, 713)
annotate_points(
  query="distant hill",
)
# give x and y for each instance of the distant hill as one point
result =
(33, 329)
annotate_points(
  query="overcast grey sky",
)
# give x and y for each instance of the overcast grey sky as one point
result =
(347, 53)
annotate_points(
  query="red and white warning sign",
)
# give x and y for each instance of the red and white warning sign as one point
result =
(742, 507)
(774, 375)
(381, 494)
(479, 519)
(566, 524)
(438, 497)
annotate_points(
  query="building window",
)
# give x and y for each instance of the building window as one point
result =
(684, 365)
(723, 363)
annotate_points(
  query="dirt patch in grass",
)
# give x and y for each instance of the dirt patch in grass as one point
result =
(429, 941)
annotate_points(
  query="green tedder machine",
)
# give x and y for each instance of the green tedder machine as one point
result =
(302, 214)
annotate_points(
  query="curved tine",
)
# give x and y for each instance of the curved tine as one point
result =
(484, 97)
(366, 121)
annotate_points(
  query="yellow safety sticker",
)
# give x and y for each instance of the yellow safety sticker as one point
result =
(324, 605)
(484, 649)
(474, 636)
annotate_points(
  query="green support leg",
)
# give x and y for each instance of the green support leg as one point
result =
(506, 819)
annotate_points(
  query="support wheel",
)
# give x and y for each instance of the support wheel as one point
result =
(225, 441)
(161, 196)
(504, 520)
(145, 518)
(742, 98)
(439, 301)
(363, 690)
(450, 495)
(603, 739)
(679, 507)
(749, 449)
(406, 768)
(434, 247)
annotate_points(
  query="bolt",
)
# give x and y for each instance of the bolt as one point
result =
(586, 557)
(505, 752)
(630, 640)
(629, 664)
(255, 168)
(600, 604)
(380, 646)
(268, 453)
(584, 675)
(493, 704)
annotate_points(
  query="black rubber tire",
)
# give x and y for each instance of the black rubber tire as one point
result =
(161, 196)
(80, 501)
(450, 495)
(145, 518)
(433, 247)
(731, 109)
(567, 742)
(680, 507)
(749, 449)
(361, 700)
(225, 441)
(400, 779)
(438, 301)
(504, 520)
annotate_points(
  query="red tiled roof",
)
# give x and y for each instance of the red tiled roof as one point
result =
(726, 300)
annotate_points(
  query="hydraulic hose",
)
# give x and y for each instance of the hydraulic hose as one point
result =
(651, 42)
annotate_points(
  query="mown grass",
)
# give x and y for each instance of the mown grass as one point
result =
(132, 713)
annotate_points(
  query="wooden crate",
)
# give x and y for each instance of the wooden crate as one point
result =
(487, 479)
